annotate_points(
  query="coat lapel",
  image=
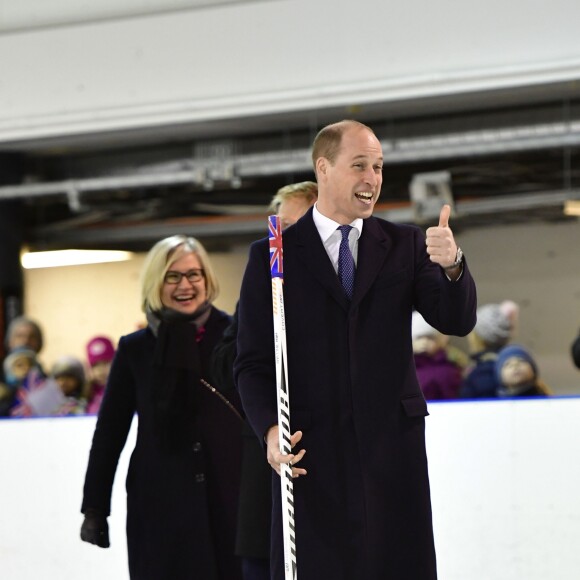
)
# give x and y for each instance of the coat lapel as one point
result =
(312, 253)
(373, 247)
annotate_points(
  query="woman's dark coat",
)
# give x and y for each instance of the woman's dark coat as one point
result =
(181, 504)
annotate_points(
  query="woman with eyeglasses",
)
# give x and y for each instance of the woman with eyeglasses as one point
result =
(183, 478)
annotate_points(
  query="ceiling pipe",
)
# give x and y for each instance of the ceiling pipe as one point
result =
(255, 225)
(429, 147)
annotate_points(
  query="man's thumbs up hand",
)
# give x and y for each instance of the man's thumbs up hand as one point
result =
(441, 245)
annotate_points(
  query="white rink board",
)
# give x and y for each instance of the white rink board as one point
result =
(504, 476)
(43, 470)
(505, 481)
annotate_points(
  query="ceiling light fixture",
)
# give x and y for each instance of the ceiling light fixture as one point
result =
(53, 259)
(572, 207)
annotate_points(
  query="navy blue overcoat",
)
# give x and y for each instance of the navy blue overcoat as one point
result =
(363, 512)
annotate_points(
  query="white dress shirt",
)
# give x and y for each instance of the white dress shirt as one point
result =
(331, 236)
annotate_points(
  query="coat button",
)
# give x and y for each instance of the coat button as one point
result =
(199, 478)
(197, 446)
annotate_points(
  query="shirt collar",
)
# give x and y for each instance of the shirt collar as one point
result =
(326, 227)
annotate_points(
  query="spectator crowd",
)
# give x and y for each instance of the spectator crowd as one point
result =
(495, 366)
(70, 387)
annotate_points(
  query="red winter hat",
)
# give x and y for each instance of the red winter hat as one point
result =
(100, 349)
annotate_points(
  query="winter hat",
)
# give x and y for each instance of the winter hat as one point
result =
(17, 353)
(100, 349)
(68, 366)
(513, 350)
(496, 323)
(419, 327)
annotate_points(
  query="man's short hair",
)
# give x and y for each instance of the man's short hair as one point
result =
(327, 142)
(307, 190)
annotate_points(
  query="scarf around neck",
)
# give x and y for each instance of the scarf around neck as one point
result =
(156, 317)
(176, 373)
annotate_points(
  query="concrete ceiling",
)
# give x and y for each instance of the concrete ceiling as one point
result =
(215, 179)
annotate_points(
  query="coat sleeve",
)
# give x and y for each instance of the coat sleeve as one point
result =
(113, 424)
(448, 306)
(254, 367)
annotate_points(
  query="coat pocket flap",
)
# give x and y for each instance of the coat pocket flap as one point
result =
(415, 406)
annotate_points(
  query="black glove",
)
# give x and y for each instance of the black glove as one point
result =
(95, 529)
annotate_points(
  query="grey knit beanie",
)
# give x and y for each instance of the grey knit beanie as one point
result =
(496, 323)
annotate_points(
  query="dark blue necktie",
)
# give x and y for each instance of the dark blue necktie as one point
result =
(346, 262)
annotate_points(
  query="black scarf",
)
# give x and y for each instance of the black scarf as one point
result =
(176, 374)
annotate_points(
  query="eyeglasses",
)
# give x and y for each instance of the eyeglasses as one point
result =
(173, 277)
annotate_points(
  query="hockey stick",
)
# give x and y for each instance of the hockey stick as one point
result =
(287, 488)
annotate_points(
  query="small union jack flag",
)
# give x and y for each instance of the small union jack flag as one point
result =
(275, 235)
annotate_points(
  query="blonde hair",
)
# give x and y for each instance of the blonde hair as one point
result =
(327, 143)
(158, 261)
(307, 190)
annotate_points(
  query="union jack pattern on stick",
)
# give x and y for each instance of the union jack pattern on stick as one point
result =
(275, 231)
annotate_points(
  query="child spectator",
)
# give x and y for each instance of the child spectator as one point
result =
(24, 332)
(495, 327)
(35, 395)
(438, 376)
(22, 374)
(69, 374)
(517, 374)
(18, 365)
(100, 354)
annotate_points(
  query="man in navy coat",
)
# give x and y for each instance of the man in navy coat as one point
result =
(361, 493)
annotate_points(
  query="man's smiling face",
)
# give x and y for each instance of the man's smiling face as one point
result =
(350, 186)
